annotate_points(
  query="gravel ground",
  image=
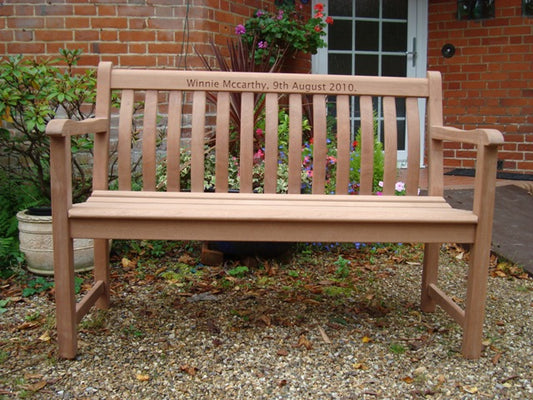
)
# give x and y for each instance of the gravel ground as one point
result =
(274, 332)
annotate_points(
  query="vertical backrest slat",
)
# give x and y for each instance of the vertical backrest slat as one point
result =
(101, 140)
(343, 144)
(222, 142)
(271, 143)
(173, 141)
(197, 141)
(124, 140)
(413, 140)
(149, 140)
(391, 145)
(435, 148)
(367, 145)
(295, 143)
(320, 151)
(247, 143)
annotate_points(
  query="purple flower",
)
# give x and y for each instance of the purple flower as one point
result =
(262, 45)
(280, 14)
(259, 13)
(240, 29)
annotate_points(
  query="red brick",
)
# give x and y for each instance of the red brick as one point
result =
(76, 22)
(137, 61)
(54, 9)
(54, 35)
(137, 23)
(85, 9)
(137, 48)
(20, 36)
(137, 36)
(26, 23)
(107, 11)
(25, 48)
(109, 22)
(136, 11)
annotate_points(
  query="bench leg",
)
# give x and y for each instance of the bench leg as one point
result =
(101, 270)
(64, 293)
(429, 275)
(476, 293)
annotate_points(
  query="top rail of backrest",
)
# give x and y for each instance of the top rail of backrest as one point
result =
(221, 81)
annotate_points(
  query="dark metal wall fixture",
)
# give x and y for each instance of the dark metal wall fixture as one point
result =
(448, 50)
(475, 9)
(527, 8)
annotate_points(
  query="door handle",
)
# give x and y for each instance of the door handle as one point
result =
(413, 52)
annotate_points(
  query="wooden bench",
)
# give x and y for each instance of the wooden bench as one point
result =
(187, 97)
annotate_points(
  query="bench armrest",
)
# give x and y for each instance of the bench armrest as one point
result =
(69, 127)
(478, 137)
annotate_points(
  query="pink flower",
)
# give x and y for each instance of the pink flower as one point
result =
(259, 154)
(262, 45)
(399, 187)
(240, 29)
(259, 13)
(259, 132)
(319, 15)
(280, 14)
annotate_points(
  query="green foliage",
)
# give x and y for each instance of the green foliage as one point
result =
(32, 92)
(3, 305)
(343, 268)
(276, 36)
(239, 271)
(37, 286)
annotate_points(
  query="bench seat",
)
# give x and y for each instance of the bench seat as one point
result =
(270, 217)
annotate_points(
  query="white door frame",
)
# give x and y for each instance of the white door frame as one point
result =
(417, 36)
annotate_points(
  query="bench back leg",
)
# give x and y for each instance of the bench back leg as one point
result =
(101, 271)
(429, 275)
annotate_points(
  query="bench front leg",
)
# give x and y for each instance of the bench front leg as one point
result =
(60, 171)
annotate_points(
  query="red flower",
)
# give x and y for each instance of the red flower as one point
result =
(319, 7)
(319, 15)
(318, 28)
(329, 20)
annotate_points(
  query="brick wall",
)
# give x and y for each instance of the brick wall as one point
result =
(161, 33)
(489, 80)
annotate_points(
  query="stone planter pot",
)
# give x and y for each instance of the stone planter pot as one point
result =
(35, 236)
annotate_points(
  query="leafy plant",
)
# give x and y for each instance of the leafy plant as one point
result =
(239, 271)
(275, 36)
(37, 286)
(32, 92)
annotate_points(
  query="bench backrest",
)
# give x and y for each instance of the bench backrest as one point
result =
(212, 103)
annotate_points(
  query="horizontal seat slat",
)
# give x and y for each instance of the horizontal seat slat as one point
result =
(276, 208)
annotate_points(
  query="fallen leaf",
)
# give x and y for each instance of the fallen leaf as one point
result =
(470, 389)
(496, 358)
(45, 337)
(143, 377)
(366, 339)
(303, 341)
(324, 335)
(35, 387)
(360, 366)
(282, 383)
(408, 379)
(282, 352)
(126, 263)
(188, 369)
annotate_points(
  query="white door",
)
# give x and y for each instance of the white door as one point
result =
(380, 38)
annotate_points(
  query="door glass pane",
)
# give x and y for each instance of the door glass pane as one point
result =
(367, 65)
(394, 9)
(367, 8)
(394, 36)
(340, 35)
(393, 66)
(340, 64)
(340, 8)
(366, 35)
